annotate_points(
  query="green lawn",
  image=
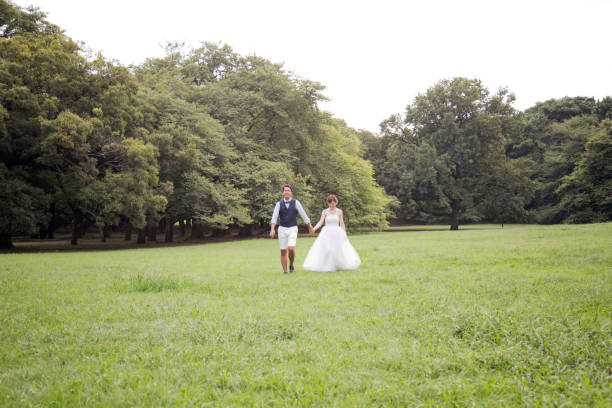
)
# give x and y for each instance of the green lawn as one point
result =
(480, 317)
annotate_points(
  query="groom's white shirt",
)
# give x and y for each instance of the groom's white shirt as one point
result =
(298, 207)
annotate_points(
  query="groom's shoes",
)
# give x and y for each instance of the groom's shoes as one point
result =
(291, 269)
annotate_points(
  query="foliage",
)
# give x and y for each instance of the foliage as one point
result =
(257, 129)
(554, 139)
(206, 137)
(194, 137)
(442, 156)
(586, 194)
(22, 205)
(511, 165)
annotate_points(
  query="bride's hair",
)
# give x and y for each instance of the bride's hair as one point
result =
(331, 198)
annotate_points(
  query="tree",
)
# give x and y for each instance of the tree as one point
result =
(603, 108)
(64, 151)
(22, 205)
(456, 132)
(203, 136)
(558, 110)
(586, 194)
(508, 187)
(16, 21)
(224, 123)
(132, 191)
(195, 155)
(554, 137)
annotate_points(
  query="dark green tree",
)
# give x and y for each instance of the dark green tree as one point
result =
(586, 194)
(452, 136)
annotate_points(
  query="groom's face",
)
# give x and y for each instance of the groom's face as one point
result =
(287, 193)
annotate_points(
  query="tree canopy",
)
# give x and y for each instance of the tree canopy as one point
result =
(206, 137)
(203, 137)
(461, 153)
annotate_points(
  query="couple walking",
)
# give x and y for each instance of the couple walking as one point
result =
(331, 250)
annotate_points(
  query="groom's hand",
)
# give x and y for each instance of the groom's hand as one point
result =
(272, 233)
(311, 230)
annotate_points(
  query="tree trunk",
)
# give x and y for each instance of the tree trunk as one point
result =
(142, 235)
(169, 229)
(76, 224)
(5, 238)
(182, 227)
(51, 226)
(197, 230)
(161, 226)
(128, 232)
(455, 208)
(75, 233)
(152, 232)
(246, 231)
(102, 234)
(219, 233)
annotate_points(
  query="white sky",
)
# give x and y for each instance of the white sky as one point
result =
(373, 56)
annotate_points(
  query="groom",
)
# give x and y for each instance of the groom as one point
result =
(288, 209)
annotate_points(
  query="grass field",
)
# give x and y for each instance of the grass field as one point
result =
(483, 317)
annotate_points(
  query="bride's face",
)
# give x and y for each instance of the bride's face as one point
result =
(332, 205)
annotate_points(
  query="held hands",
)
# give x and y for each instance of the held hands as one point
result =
(311, 230)
(272, 233)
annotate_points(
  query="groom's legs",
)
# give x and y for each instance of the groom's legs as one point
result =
(284, 260)
(291, 241)
(291, 255)
(287, 238)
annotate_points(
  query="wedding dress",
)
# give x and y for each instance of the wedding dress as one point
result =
(332, 250)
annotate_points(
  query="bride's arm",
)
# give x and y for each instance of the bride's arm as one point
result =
(316, 227)
(342, 220)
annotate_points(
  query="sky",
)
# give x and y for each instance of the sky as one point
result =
(373, 56)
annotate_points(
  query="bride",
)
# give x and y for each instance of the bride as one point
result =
(331, 250)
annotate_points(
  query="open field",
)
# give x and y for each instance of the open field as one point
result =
(481, 317)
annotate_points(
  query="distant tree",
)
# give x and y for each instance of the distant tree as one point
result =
(508, 188)
(253, 119)
(554, 137)
(64, 151)
(586, 194)
(17, 21)
(205, 138)
(451, 139)
(22, 205)
(558, 110)
(603, 108)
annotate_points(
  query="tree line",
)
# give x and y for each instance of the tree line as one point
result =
(460, 152)
(205, 138)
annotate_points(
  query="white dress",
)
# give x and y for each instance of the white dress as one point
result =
(332, 250)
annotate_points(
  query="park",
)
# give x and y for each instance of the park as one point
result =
(455, 251)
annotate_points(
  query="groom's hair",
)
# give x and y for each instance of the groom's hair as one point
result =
(287, 185)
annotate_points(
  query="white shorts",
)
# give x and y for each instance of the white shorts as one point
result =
(287, 237)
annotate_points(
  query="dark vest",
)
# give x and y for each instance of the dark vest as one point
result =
(288, 216)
